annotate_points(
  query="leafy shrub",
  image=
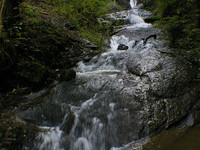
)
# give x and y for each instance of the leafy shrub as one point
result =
(180, 20)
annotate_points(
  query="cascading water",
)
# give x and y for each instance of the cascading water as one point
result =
(91, 137)
(91, 128)
(133, 3)
(87, 136)
(50, 139)
(135, 89)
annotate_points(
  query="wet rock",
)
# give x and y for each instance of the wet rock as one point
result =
(68, 122)
(143, 61)
(46, 114)
(121, 96)
(126, 17)
(155, 92)
(86, 59)
(144, 101)
(67, 75)
(122, 47)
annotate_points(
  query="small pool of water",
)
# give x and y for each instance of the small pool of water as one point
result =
(176, 139)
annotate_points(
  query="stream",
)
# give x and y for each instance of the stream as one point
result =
(118, 98)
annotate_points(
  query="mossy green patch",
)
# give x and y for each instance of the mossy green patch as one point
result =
(14, 134)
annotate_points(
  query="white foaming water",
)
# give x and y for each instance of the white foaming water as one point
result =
(90, 133)
(135, 19)
(90, 137)
(133, 3)
(106, 60)
(102, 63)
(140, 25)
(134, 145)
(49, 139)
(117, 40)
(98, 72)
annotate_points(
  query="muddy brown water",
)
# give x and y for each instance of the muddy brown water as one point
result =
(176, 139)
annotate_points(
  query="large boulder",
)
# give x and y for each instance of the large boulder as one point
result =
(121, 96)
(156, 92)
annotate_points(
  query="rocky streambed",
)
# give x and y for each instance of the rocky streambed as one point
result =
(121, 96)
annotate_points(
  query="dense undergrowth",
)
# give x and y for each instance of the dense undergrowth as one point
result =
(180, 21)
(39, 36)
(83, 15)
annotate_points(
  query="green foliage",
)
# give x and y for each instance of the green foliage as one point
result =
(92, 36)
(30, 10)
(82, 9)
(47, 32)
(180, 21)
(13, 134)
(10, 39)
(84, 15)
(32, 13)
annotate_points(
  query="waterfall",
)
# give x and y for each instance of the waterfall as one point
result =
(93, 123)
(117, 40)
(133, 3)
(49, 139)
(119, 97)
(88, 135)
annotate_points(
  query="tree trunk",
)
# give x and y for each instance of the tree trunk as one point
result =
(1, 14)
